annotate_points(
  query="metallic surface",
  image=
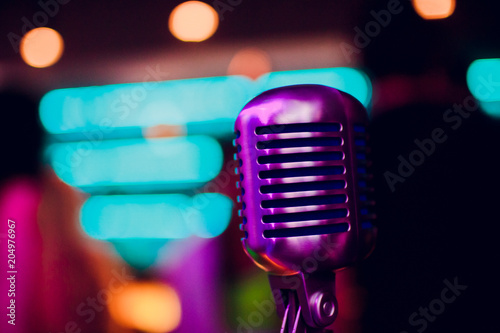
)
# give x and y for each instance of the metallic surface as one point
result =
(306, 203)
(295, 105)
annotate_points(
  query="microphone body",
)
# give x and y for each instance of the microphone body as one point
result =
(306, 199)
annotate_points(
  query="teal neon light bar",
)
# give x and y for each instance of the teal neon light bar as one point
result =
(123, 110)
(144, 104)
(137, 164)
(483, 80)
(350, 80)
(491, 108)
(155, 216)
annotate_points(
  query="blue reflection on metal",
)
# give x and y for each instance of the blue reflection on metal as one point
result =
(137, 164)
(155, 216)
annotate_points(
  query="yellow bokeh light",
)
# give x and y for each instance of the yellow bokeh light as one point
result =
(251, 62)
(434, 9)
(146, 306)
(41, 47)
(193, 21)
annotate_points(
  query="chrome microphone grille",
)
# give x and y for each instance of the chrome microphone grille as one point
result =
(303, 168)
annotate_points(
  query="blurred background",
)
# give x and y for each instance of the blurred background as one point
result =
(117, 176)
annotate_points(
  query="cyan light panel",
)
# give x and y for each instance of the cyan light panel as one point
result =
(139, 253)
(215, 213)
(123, 110)
(491, 108)
(136, 216)
(155, 216)
(350, 80)
(128, 165)
(483, 80)
(144, 104)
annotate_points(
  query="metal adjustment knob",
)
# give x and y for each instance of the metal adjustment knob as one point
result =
(323, 308)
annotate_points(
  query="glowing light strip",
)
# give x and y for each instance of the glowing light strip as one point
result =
(144, 104)
(155, 216)
(349, 80)
(491, 108)
(483, 79)
(129, 165)
(120, 111)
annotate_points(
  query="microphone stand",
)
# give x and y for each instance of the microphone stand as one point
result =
(306, 302)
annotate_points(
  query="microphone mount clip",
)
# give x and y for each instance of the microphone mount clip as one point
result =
(306, 302)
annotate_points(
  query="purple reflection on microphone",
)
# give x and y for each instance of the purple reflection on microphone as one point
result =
(306, 202)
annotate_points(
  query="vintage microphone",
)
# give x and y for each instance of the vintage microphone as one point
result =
(306, 199)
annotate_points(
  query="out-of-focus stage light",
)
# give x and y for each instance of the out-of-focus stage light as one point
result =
(119, 110)
(491, 108)
(146, 306)
(41, 47)
(193, 21)
(137, 165)
(350, 80)
(206, 106)
(164, 131)
(434, 9)
(139, 253)
(250, 62)
(156, 216)
(483, 80)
